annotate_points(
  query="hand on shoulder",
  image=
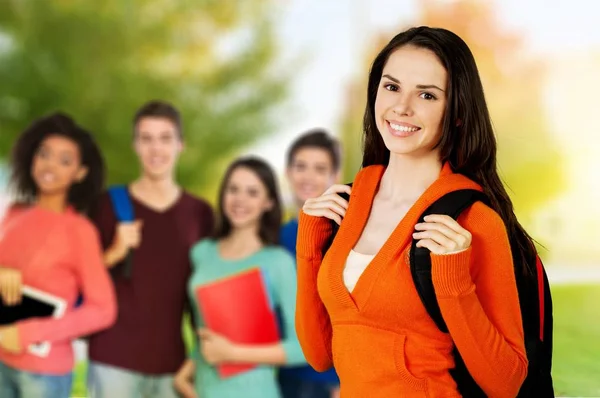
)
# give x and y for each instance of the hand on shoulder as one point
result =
(330, 204)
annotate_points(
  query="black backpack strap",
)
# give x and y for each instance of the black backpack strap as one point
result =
(452, 204)
(545, 380)
(334, 226)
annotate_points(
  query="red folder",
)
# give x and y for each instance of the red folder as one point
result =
(239, 308)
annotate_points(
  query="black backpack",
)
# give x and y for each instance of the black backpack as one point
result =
(534, 298)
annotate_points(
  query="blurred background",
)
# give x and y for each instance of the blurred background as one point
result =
(249, 76)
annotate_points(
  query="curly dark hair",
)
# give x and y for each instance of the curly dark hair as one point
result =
(81, 194)
(270, 222)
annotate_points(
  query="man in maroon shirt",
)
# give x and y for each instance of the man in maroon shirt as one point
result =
(140, 354)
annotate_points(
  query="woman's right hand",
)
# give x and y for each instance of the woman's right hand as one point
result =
(330, 204)
(10, 286)
(184, 380)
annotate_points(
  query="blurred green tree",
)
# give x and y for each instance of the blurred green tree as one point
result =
(529, 160)
(99, 61)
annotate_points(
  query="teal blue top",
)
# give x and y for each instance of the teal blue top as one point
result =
(278, 265)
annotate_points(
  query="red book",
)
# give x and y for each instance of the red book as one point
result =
(239, 308)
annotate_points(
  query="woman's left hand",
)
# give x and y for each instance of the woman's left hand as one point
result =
(215, 348)
(9, 339)
(442, 235)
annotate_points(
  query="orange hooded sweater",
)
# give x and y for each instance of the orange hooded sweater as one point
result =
(379, 337)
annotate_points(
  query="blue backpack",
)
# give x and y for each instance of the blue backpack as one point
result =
(123, 208)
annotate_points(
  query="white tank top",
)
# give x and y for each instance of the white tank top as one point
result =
(356, 263)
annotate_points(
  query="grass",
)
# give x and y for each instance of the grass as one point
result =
(576, 364)
(79, 389)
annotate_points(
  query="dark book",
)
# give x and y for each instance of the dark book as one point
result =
(34, 304)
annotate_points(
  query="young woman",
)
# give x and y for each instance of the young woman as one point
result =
(48, 244)
(427, 132)
(247, 237)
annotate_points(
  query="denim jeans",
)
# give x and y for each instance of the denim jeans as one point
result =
(293, 387)
(16, 383)
(105, 381)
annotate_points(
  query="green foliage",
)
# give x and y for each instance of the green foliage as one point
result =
(99, 61)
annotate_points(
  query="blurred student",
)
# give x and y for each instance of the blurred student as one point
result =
(313, 165)
(247, 237)
(46, 242)
(140, 354)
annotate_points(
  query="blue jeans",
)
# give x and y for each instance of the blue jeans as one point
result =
(20, 384)
(105, 381)
(293, 387)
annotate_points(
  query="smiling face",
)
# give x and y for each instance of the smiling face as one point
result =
(411, 101)
(158, 145)
(245, 199)
(310, 173)
(57, 166)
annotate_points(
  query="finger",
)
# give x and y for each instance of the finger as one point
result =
(438, 238)
(3, 289)
(130, 230)
(6, 295)
(334, 216)
(187, 390)
(435, 226)
(447, 221)
(326, 213)
(431, 245)
(334, 197)
(19, 293)
(331, 198)
(14, 290)
(338, 188)
(331, 206)
(7, 290)
(133, 232)
(133, 235)
(137, 237)
(204, 333)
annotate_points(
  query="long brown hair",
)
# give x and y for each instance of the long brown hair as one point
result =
(468, 142)
(270, 222)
